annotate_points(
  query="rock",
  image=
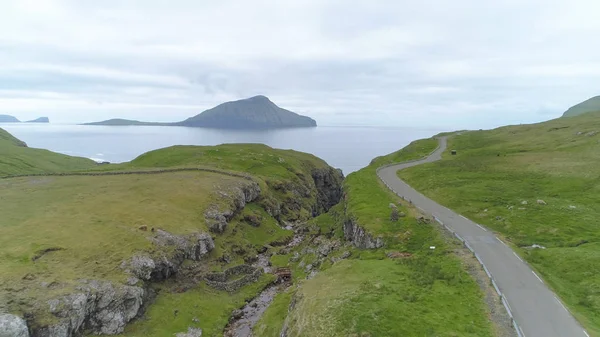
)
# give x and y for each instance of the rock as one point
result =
(328, 182)
(591, 133)
(522, 208)
(524, 202)
(485, 210)
(499, 218)
(537, 246)
(100, 307)
(237, 314)
(572, 207)
(142, 266)
(192, 246)
(324, 249)
(423, 220)
(143, 228)
(359, 237)
(13, 326)
(541, 202)
(253, 219)
(392, 205)
(308, 268)
(132, 280)
(29, 277)
(511, 207)
(311, 275)
(402, 214)
(295, 257)
(195, 320)
(345, 255)
(395, 215)
(192, 332)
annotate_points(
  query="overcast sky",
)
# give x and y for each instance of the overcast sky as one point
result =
(447, 64)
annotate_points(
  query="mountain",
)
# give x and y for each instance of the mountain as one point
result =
(39, 120)
(12, 119)
(8, 119)
(590, 105)
(257, 112)
(124, 122)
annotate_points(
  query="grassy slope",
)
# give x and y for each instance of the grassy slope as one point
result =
(15, 159)
(590, 105)
(556, 161)
(95, 219)
(429, 294)
(367, 201)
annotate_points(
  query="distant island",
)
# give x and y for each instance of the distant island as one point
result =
(590, 105)
(12, 119)
(257, 112)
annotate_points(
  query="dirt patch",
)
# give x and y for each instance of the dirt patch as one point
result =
(43, 252)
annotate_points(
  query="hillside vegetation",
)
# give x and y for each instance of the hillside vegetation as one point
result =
(16, 158)
(62, 234)
(590, 105)
(402, 289)
(535, 184)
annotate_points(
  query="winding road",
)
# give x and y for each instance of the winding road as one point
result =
(536, 310)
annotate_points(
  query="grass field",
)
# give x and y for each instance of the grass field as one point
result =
(91, 223)
(368, 199)
(496, 179)
(428, 294)
(17, 159)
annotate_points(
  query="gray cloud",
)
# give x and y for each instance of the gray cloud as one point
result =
(454, 64)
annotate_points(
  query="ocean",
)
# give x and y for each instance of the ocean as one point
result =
(349, 148)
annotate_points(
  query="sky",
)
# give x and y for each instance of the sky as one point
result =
(443, 64)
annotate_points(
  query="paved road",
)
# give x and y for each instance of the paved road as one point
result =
(535, 308)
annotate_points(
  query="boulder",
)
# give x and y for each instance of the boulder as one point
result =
(100, 307)
(13, 326)
(541, 202)
(192, 332)
(524, 202)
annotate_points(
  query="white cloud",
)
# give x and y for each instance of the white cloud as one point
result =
(461, 63)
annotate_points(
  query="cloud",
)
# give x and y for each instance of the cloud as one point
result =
(454, 64)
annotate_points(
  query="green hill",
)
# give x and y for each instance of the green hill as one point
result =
(590, 105)
(497, 178)
(16, 158)
(134, 243)
(256, 112)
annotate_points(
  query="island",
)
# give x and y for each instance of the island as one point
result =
(12, 119)
(257, 112)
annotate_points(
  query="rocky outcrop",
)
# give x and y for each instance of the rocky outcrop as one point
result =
(354, 233)
(103, 307)
(192, 332)
(328, 182)
(99, 307)
(221, 281)
(217, 217)
(163, 265)
(13, 326)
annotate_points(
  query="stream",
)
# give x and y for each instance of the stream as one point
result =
(245, 318)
